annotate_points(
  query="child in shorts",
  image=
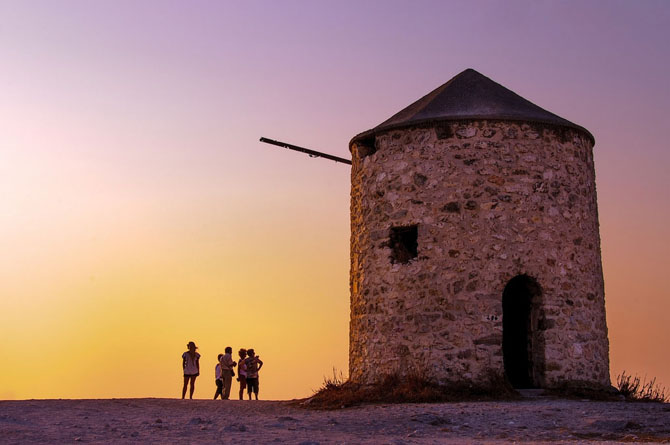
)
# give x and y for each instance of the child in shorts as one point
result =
(253, 365)
(218, 379)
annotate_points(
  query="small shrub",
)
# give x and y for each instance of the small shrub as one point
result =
(635, 389)
(335, 381)
(337, 393)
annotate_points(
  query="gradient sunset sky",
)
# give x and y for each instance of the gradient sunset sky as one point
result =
(138, 211)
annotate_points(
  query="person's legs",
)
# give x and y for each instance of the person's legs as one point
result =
(183, 390)
(227, 382)
(243, 385)
(192, 386)
(219, 389)
(250, 387)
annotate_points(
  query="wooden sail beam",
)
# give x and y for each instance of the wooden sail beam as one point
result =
(311, 153)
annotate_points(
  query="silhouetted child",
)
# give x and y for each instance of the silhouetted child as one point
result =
(242, 372)
(191, 365)
(253, 365)
(218, 380)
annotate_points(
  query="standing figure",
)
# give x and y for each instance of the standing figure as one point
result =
(242, 372)
(253, 365)
(218, 380)
(191, 365)
(227, 373)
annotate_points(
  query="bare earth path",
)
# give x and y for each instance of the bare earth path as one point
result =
(201, 421)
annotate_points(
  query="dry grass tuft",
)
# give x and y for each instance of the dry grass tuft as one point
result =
(634, 389)
(337, 393)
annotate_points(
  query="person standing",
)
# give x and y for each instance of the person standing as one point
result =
(242, 372)
(218, 380)
(227, 373)
(191, 365)
(253, 365)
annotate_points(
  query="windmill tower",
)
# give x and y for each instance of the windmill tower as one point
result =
(475, 245)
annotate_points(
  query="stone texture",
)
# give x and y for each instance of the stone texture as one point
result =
(492, 200)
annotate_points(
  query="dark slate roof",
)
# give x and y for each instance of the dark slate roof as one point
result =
(470, 95)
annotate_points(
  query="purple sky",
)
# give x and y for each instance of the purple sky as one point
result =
(150, 111)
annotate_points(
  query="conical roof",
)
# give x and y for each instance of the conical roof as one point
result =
(470, 95)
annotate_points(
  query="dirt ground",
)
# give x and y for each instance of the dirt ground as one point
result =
(245, 422)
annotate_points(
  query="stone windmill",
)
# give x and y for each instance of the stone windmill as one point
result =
(475, 245)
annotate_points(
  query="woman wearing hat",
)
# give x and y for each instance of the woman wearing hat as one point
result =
(191, 365)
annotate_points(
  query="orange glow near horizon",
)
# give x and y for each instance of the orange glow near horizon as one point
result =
(138, 211)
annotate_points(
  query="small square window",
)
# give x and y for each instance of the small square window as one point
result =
(403, 244)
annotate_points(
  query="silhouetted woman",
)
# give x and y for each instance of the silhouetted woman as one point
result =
(191, 365)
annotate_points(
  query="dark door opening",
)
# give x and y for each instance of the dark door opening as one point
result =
(518, 333)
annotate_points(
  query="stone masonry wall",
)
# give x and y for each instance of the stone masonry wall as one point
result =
(492, 200)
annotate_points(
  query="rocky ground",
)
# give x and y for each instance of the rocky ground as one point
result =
(242, 422)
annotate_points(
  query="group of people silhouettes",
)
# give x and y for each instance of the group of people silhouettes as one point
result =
(247, 368)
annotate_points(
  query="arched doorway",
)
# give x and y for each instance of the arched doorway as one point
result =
(521, 345)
